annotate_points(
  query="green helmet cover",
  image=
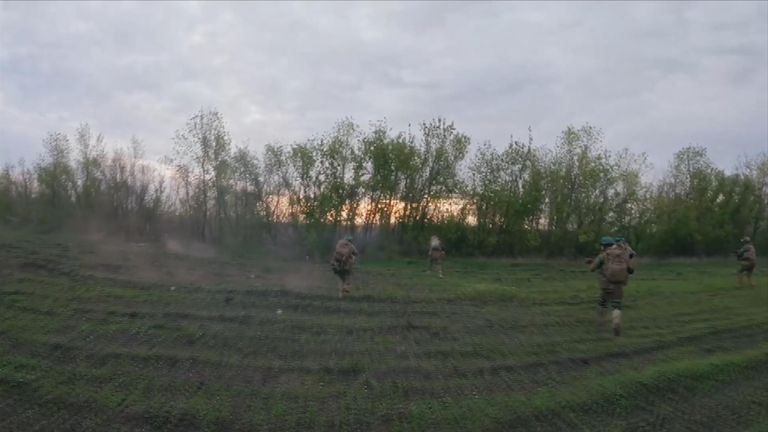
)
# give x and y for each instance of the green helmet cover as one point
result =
(607, 241)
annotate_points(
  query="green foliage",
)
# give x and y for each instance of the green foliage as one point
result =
(507, 190)
(394, 187)
(699, 210)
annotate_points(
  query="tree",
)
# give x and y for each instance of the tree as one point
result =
(436, 176)
(248, 194)
(90, 166)
(685, 203)
(629, 209)
(56, 178)
(201, 158)
(506, 190)
(278, 188)
(579, 181)
(754, 172)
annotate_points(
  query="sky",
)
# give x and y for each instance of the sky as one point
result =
(653, 76)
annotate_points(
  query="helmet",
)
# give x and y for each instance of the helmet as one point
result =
(745, 239)
(618, 239)
(607, 241)
(348, 237)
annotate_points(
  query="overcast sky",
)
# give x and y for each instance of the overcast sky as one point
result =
(654, 76)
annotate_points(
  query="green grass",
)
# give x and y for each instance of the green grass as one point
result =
(137, 339)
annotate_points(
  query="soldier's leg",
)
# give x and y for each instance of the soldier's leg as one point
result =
(342, 284)
(742, 273)
(616, 319)
(335, 269)
(439, 265)
(347, 272)
(343, 275)
(617, 296)
(602, 303)
(750, 269)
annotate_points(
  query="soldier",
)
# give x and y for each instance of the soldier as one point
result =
(748, 258)
(436, 255)
(614, 270)
(344, 258)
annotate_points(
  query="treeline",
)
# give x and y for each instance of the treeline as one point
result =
(392, 190)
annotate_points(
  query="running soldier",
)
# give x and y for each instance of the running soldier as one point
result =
(748, 257)
(613, 267)
(436, 255)
(344, 258)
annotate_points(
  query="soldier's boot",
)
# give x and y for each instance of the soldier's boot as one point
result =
(616, 318)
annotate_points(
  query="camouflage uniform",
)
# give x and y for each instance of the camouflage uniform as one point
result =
(620, 242)
(748, 258)
(436, 255)
(610, 292)
(343, 261)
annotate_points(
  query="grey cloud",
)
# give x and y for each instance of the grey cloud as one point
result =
(654, 76)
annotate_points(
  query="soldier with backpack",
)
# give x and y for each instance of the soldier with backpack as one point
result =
(344, 258)
(748, 258)
(436, 255)
(613, 267)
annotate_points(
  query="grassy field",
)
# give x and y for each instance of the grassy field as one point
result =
(97, 337)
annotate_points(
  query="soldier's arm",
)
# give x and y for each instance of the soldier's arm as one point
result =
(596, 263)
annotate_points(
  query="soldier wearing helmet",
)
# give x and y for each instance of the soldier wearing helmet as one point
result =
(344, 258)
(613, 269)
(748, 258)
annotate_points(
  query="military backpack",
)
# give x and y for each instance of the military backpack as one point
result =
(616, 265)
